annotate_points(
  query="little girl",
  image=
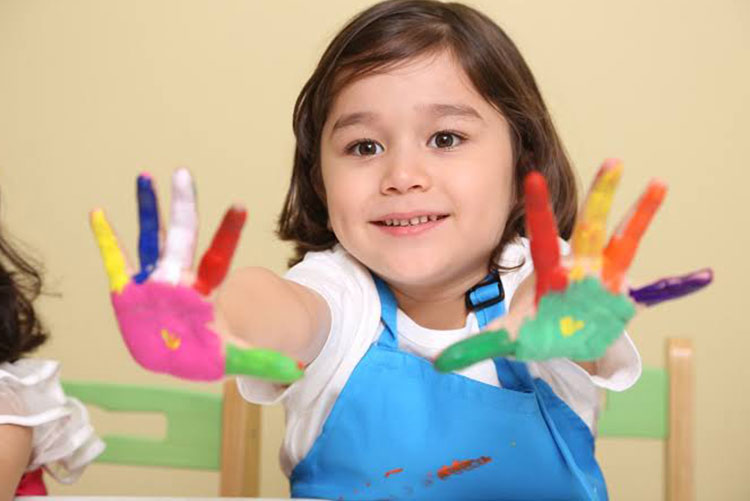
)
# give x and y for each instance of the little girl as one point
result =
(414, 137)
(40, 428)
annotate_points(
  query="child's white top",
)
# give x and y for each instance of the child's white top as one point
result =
(63, 440)
(348, 288)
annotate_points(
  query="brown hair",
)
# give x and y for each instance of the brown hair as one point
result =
(392, 32)
(20, 283)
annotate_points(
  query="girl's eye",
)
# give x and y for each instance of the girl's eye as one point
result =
(445, 140)
(365, 148)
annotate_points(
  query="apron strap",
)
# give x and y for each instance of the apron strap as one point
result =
(388, 309)
(487, 300)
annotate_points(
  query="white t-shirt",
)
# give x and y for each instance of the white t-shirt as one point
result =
(63, 441)
(349, 290)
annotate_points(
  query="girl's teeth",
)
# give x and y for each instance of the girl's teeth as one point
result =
(410, 222)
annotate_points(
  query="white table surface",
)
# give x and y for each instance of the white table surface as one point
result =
(146, 498)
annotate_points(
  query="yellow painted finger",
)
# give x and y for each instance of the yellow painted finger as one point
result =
(591, 228)
(114, 260)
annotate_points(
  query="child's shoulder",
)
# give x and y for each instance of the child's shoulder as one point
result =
(31, 395)
(30, 391)
(334, 265)
(28, 371)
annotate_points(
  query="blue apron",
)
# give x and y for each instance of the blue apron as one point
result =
(401, 430)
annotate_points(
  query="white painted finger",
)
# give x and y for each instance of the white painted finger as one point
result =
(179, 250)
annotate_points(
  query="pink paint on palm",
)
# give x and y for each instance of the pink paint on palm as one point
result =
(165, 328)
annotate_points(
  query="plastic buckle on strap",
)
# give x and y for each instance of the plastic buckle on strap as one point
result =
(494, 278)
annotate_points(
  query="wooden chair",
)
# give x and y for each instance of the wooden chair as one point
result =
(205, 431)
(661, 406)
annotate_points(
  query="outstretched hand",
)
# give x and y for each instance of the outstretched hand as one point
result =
(164, 311)
(582, 309)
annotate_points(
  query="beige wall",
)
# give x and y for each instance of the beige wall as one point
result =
(92, 92)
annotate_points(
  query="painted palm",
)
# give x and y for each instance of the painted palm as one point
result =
(582, 309)
(164, 314)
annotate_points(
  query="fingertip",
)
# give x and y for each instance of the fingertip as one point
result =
(182, 184)
(535, 189)
(182, 176)
(96, 217)
(144, 181)
(535, 179)
(612, 163)
(658, 188)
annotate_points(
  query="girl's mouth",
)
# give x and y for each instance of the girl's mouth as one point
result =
(415, 225)
(413, 221)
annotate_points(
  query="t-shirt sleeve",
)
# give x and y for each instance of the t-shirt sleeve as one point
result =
(63, 440)
(349, 292)
(11, 405)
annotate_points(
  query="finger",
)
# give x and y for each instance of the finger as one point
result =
(622, 246)
(483, 346)
(182, 232)
(591, 228)
(262, 363)
(670, 288)
(542, 231)
(215, 262)
(148, 217)
(115, 262)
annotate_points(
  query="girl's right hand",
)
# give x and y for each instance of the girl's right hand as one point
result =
(166, 315)
(579, 310)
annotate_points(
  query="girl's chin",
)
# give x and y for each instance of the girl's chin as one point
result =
(411, 273)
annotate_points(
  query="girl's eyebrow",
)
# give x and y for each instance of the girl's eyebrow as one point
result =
(437, 110)
(352, 119)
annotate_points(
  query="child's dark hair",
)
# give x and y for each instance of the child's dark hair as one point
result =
(20, 284)
(389, 33)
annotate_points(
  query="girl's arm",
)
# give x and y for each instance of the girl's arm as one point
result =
(260, 309)
(14, 459)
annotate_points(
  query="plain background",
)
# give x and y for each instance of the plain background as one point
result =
(92, 92)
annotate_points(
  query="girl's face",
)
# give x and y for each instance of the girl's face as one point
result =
(418, 172)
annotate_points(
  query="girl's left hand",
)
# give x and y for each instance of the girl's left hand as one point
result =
(582, 309)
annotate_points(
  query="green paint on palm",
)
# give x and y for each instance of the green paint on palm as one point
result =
(579, 323)
(262, 363)
(486, 345)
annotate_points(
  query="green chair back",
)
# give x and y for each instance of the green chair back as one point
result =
(641, 411)
(193, 437)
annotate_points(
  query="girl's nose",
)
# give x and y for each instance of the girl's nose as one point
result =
(403, 173)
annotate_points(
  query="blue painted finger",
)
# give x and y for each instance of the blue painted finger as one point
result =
(148, 240)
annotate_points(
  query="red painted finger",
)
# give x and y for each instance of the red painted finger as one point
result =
(622, 246)
(542, 231)
(215, 262)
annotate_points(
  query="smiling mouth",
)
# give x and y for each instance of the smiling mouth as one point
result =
(413, 221)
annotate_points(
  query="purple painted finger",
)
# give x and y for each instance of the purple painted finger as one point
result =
(669, 288)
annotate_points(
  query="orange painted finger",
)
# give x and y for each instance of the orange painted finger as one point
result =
(622, 246)
(591, 227)
(215, 262)
(542, 231)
